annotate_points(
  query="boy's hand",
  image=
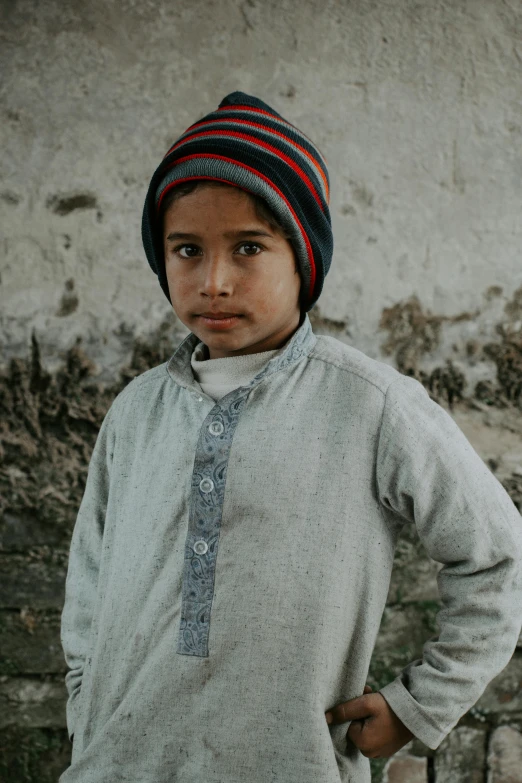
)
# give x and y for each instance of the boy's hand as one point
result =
(375, 729)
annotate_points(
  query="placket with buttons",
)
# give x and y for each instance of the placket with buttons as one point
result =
(201, 545)
(208, 485)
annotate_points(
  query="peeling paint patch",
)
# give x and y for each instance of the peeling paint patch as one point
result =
(507, 355)
(361, 194)
(508, 358)
(445, 382)
(492, 292)
(321, 324)
(412, 333)
(513, 309)
(64, 205)
(10, 197)
(48, 427)
(69, 301)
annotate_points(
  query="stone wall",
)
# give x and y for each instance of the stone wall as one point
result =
(417, 106)
(50, 422)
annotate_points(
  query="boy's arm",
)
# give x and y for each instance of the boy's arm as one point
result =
(82, 574)
(428, 473)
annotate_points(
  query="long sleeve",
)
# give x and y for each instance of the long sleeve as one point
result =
(429, 474)
(83, 567)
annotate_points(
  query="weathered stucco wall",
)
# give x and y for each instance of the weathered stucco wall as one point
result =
(417, 106)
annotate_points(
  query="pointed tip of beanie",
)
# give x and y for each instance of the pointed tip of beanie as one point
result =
(237, 98)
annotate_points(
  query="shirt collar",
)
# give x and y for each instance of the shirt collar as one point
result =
(300, 344)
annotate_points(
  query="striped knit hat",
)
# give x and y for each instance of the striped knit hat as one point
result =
(247, 144)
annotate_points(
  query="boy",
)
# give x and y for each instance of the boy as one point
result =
(232, 553)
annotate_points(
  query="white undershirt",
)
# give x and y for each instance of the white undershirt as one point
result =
(218, 377)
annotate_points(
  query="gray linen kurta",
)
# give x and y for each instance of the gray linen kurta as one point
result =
(231, 560)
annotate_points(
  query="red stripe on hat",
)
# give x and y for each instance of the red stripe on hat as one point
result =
(275, 117)
(257, 174)
(311, 158)
(279, 119)
(298, 170)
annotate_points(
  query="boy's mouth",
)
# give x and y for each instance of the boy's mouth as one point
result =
(219, 322)
(217, 314)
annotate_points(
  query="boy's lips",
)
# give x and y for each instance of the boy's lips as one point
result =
(220, 322)
(220, 315)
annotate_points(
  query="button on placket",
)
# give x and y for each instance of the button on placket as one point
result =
(216, 428)
(206, 485)
(200, 547)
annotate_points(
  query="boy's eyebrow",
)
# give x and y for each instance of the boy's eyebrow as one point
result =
(247, 232)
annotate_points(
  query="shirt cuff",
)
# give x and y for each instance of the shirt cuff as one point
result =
(412, 714)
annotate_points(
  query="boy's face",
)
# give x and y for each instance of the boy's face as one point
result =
(213, 270)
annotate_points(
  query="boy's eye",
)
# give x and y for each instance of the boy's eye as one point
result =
(249, 244)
